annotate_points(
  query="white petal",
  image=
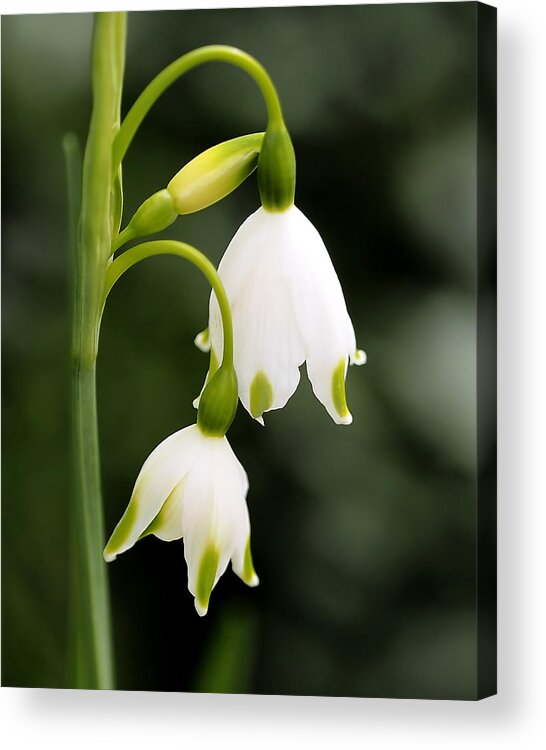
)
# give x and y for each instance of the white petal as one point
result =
(240, 256)
(242, 563)
(267, 344)
(324, 322)
(167, 525)
(214, 516)
(162, 471)
(328, 383)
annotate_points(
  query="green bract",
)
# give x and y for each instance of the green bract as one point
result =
(277, 169)
(215, 173)
(218, 402)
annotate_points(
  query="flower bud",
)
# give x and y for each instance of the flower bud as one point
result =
(218, 402)
(215, 173)
(277, 169)
(155, 214)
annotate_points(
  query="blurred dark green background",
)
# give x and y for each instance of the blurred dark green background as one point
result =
(364, 537)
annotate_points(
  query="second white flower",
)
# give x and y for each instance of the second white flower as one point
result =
(288, 307)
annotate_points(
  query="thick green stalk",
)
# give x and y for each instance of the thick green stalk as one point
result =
(99, 210)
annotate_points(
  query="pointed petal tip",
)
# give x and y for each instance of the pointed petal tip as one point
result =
(340, 412)
(260, 420)
(200, 609)
(359, 358)
(206, 578)
(346, 418)
(202, 340)
(245, 568)
(109, 556)
(261, 396)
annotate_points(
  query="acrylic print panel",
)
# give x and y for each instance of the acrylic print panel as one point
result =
(373, 541)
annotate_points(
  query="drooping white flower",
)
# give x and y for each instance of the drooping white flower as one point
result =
(192, 486)
(288, 307)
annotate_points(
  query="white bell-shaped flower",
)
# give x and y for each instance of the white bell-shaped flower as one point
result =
(288, 307)
(192, 486)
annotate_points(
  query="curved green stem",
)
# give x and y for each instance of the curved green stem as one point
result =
(171, 247)
(213, 53)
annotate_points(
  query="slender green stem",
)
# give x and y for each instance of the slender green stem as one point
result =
(99, 210)
(171, 247)
(213, 53)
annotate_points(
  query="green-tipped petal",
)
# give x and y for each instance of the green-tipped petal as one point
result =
(162, 471)
(249, 574)
(121, 533)
(206, 578)
(339, 397)
(242, 563)
(261, 395)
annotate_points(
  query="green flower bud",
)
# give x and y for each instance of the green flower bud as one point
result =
(154, 215)
(215, 173)
(277, 169)
(218, 402)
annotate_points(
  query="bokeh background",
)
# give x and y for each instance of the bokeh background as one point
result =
(365, 537)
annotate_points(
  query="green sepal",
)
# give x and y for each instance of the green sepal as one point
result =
(218, 402)
(277, 169)
(215, 173)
